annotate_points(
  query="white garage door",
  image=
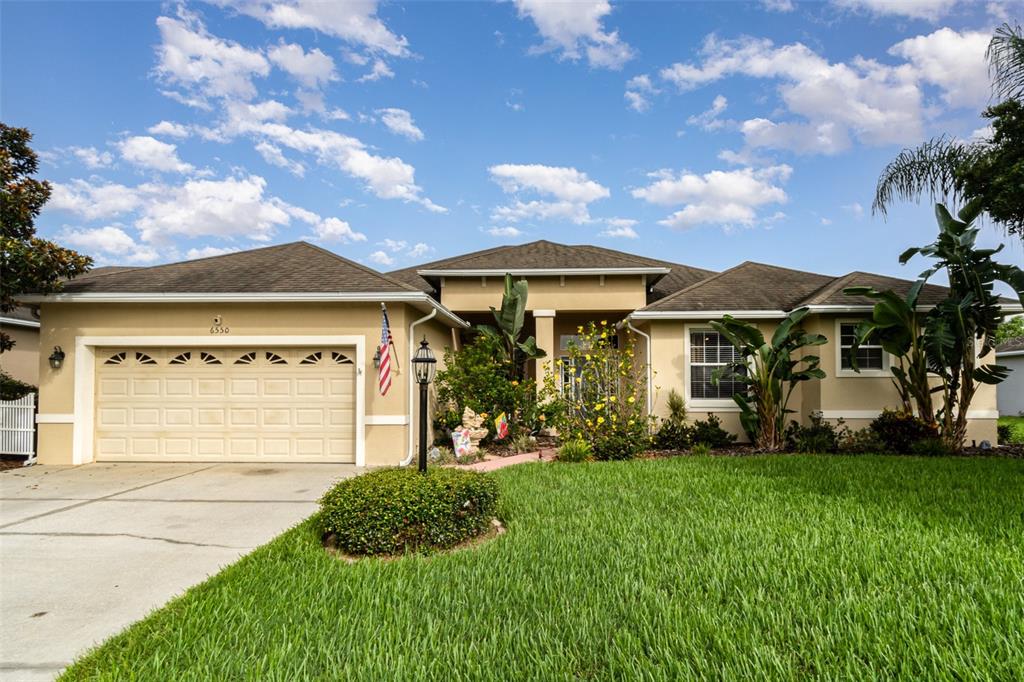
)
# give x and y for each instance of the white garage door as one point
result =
(225, 404)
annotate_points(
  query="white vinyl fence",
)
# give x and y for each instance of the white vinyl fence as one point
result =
(18, 426)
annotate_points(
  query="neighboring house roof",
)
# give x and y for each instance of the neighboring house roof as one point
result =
(20, 317)
(749, 286)
(1013, 346)
(544, 255)
(287, 268)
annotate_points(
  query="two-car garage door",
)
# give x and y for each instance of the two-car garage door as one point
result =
(225, 404)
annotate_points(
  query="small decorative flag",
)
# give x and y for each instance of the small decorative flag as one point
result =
(501, 426)
(384, 369)
(461, 442)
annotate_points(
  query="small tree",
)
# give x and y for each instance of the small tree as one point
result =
(771, 370)
(509, 328)
(958, 330)
(606, 395)
(28, 264)
(1010, 329)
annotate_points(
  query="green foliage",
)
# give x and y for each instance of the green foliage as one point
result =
(1010, 329)
(509, 320)
(475, 377)
(395, 511)
(771, 370)
(607, 405)
(1003, 434)
(524, 442)
(710, 432)
(995, 177)
(1011, 430)
(676, 407)
(575, 450)
(700, 450)
(29, 264)
(898, 430)
(931, 447)
(820, 436)
(673, 435)
(943, 345)
(1005, 56)
(12, 389)
(861, 442)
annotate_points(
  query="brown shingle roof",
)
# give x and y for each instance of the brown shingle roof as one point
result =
(1011, 345)
(748, 286)
(832, 293)
(544, 254)
(298, 267)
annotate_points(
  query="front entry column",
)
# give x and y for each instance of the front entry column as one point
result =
(545, 321)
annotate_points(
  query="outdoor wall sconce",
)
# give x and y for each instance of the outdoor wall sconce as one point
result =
(57, 358)
(376, 359)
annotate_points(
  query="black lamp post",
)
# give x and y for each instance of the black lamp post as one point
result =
(424, 364)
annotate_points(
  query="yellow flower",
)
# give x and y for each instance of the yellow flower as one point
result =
(599, 407)
(579, 330)
(590, 423)
(630, 422)
(587, 356)
(604, 335)
(604, 323)
(600, 420)
(515, 383)
(542, 418)
(559, 363)
(631, 400)
(611, 399)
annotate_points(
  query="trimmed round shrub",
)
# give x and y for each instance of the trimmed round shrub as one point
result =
(900, 430)
(394, 511)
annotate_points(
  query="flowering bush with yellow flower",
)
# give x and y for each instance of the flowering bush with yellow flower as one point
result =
(604, 392)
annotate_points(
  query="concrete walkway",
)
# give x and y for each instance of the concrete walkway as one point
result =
(495, 463)
(85, 551)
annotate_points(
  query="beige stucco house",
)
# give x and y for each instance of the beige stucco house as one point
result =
(267, 355)
(22, 361)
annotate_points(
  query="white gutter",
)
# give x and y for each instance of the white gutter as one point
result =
(1011, 308)
(251, 297)
(1010, 353)
(14, 322)
(543, 272)
(705, 314)
(650, 381)
(412, 388)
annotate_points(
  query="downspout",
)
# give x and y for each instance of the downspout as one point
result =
(412, 386)
(650, 380)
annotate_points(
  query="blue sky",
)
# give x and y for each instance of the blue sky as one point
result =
(401, 132)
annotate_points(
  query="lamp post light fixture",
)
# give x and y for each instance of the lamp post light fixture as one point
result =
(57, 358)
(424, 365)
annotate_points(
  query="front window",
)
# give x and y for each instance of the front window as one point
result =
(869, 356)
(709, 351)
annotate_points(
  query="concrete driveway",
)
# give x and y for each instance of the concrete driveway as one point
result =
(85, 551)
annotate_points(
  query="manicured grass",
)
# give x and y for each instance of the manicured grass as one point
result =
(737, 568)
(1016, 425)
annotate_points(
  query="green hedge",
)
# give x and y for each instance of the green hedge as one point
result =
(393, 511)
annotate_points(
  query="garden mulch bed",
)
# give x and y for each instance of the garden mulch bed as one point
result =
(8, 462)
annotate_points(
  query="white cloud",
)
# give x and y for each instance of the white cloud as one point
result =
(313, 69)
(228, 208)
(419, 249)
(110, 244)
(620, 228)
(576, 28)
(571, 190)
(955, 62)
(507, 231)
(204, 65)
(725, 198)
(826, 221)
(354, 21)
(209, 252)
(379, 70)
(399, 121)
(778, 5)
(149, 152)
(381, 258)
(93, 202)
(856, 209)
(92, 157)
(804, 138)
(639, 90)
(394, 245)
(708, 120)
(313, 101)
(274, 156)
(931, 10)
(169, 129)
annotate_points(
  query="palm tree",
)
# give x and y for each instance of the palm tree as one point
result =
(934, 168)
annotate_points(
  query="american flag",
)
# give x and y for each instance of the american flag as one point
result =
(384, 370)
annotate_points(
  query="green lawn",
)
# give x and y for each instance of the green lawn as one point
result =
(1016, 425)
(738, 568)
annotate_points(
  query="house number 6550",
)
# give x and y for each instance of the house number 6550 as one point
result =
(219, 327)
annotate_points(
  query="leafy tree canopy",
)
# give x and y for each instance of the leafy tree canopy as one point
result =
(28, 263)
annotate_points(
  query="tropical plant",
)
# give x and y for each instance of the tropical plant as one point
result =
(509, 320)
(575, 450)
(604, 394)
(989, 170)
(959, 330)
(1010, 329)
(28, 264)
(771, 371)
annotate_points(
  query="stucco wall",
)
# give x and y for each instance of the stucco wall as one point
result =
(63, 322)
(620, 292)
(22, 361)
